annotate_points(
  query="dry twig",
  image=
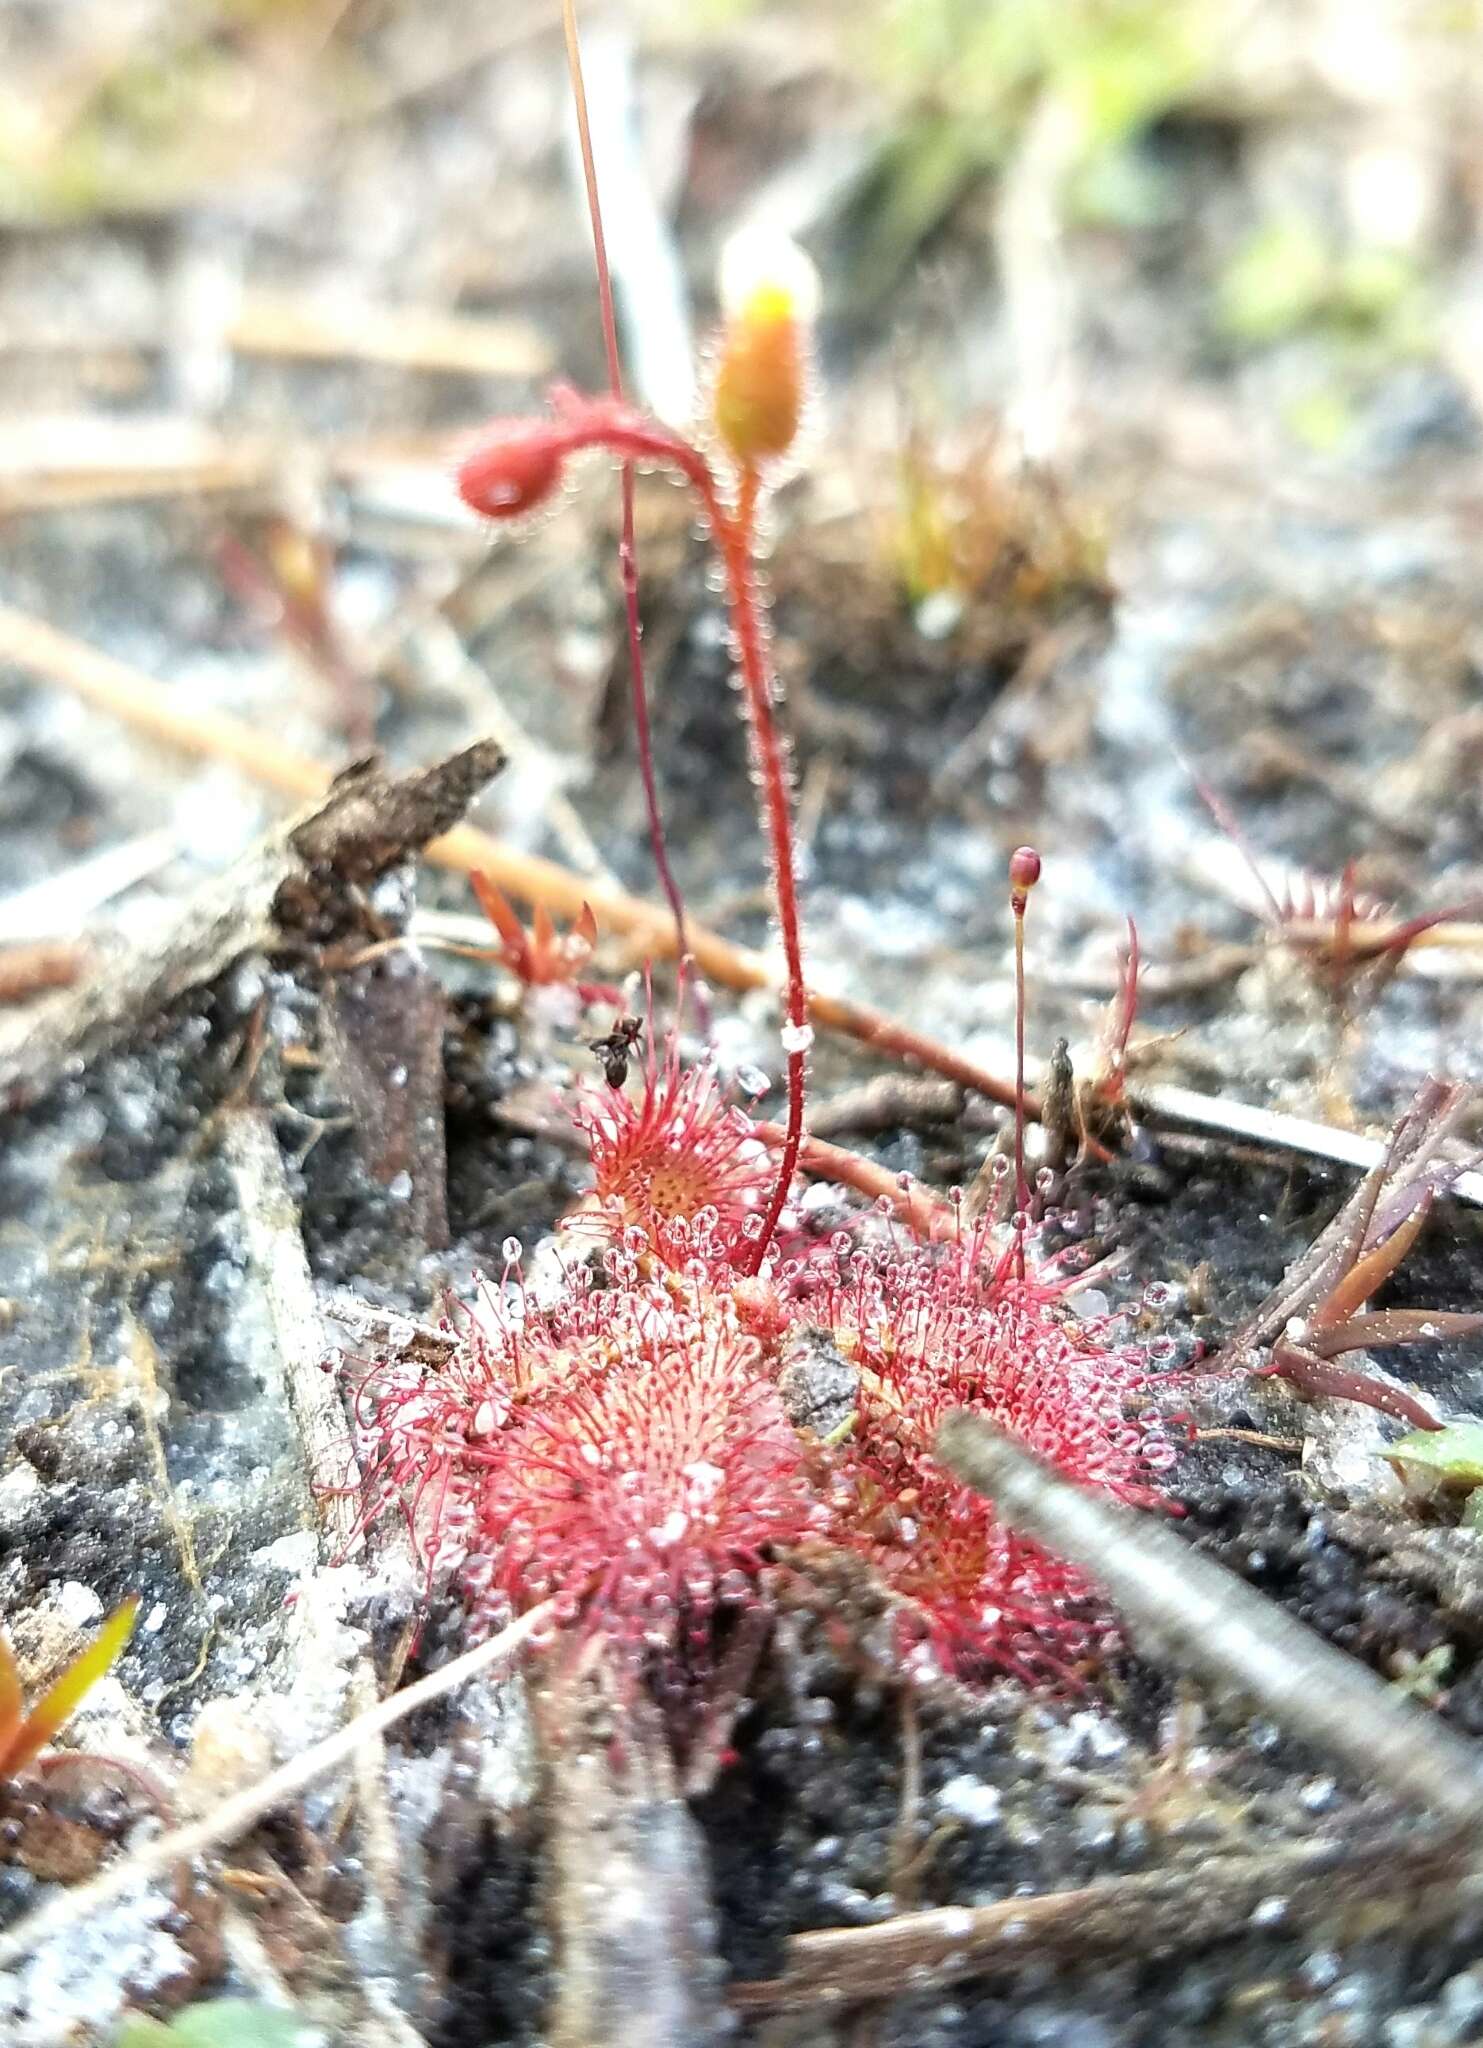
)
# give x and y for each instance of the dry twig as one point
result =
(1272, 1129)
(234, 1816)
(428, 338)
(1200, 1618)
(1154, 1913)
(125, 693)
(293, 887)
(628, 1885)
(42, 964)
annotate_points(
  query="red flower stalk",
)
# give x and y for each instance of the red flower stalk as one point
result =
(678, 1172)
(757, 403)
(627, 551)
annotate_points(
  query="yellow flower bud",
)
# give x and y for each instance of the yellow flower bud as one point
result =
(769, 300)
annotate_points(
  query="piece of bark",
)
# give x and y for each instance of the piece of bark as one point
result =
(300, 885)
(298, 1343)
(629, 1889)
(383, 1045)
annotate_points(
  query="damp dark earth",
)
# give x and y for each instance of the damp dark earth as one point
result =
(1053, 425)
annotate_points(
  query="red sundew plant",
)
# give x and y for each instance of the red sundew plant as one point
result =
(625, 1449)
(622, 1450)
(975, 1325)
(677, 1154)
(1349, 941)
(642, 1499)
(543, 957)
(624, 1446)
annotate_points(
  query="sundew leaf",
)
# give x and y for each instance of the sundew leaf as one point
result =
(222, 2023)
(1452, 1455)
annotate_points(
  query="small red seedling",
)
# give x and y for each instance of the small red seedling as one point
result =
(1304, 1354)
(936, 1328)
(543, 957)
(675, 1163)
(1352, 943)
(644, 1499)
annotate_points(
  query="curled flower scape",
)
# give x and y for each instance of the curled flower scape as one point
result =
(757, 398)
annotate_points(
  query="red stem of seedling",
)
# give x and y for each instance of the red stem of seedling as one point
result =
(627, 549)
(1024, 873)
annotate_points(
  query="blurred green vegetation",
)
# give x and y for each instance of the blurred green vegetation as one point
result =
(1363, 309)
(220, 2023)
(1290, 278)
(151, 119)
(970, 76)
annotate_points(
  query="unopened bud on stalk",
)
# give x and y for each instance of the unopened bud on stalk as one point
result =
(769, 302)
(1024, 873)
(513, 471)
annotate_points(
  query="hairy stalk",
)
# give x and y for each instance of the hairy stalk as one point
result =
(627, 549)
(521, 466)
(1024, 873)
(736, 539)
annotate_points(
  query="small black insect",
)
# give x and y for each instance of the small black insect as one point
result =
(615, 1050)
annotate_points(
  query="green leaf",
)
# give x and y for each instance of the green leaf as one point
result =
(1452, 1456)
(221, 2023)
(1277, 283)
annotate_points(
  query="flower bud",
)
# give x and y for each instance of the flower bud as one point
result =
(769, 300)
(514, 469)
(1024, 873)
